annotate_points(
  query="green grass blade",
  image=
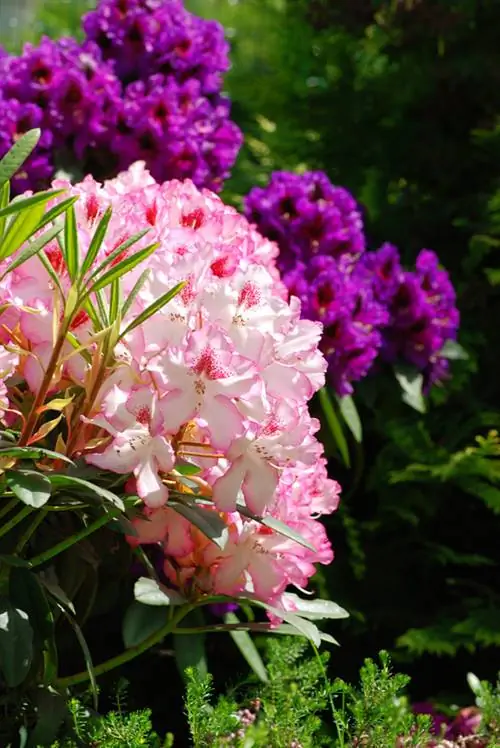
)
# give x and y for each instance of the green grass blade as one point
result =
(153, 308)
(18, 155)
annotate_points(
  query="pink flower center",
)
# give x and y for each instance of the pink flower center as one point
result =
(54, 256)
(81, 319)
(193, 220)
(250, 295)
(143, 415)
(209, 365)
(223, 267)
(92, 208)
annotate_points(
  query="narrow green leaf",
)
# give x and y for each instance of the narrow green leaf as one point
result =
(14, 561)
(32, 488)
(59, 479)
(287, 630)
(316, 609)
(351, 417)
(135, 291)
(33, 453)
(56, 211)
(411, 382)
(153, 308)
(117, 252)
(20, 204)
(306, 628)
(125, 266)
(51, 272)
(18, 154)
(20, 229)
(114, 300)
(277, 525)
(150, 592)
(140, 621)
(245, 644)
(85, 650)
(96, 242)
(72, 255)
(209, 523)
(334, 425)
(16, 643)
(32, 249)
(4, 201)
(187, 468)
(101, 306)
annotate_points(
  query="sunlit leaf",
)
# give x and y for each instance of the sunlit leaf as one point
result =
(134, 292)
(453, 351)
(32, 488)
(119, 250)
(59, 480)
(153, 308)
(350, 415)
(96, 241)
(71, 243)
(316, 609)
(18, 154)
(32, 453)
(125, 266)
(45, 429)
(411, 382)
(150, 592)
(278, 526)
(33, 248)
(19, 204)
(208, 522)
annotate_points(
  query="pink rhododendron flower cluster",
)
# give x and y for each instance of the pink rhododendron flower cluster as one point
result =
(216, 381)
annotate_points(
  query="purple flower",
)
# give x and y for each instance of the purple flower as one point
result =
(146, 37)
(307, 216)
(145, 85)
(220, 609)
(423, 316)
(335, 293)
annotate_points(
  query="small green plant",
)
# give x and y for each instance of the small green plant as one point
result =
(488, 701)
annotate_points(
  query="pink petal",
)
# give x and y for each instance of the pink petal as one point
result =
(224, 420)
(225, 489)
(178, 407)
(260, 483)
(149, 486)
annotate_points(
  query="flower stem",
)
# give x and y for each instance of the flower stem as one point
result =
(68, 542)
(129, 654)
(15, 520)
(30, 424)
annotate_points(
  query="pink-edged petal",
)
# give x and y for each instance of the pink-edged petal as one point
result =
(179, 407)
(149, 486)
(229, 578)
(179, 541)
(225, 489)
(224, 420)
(117, 457)
(267, 581)
(163, 453)
(259, 486)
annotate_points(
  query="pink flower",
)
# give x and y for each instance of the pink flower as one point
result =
(138, 446)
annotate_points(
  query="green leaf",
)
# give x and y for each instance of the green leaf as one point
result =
(351, 417)
(315, 609)
(20, 229)
(71, 252)
(85, 650)
(33, 453)
(150, 592)
(32, 249)
(334, 424)
(20, 204)
(50, 709)
(140, 621)
(30, 487)
(304, 627)
(114, 301)
(16, 643)
(117, 252)
(14, 561)
(411, 382)
(453, 351)
(26, 593)
(288, 630)
(189, 649)
(187, 468)
(125, 266)
(59, 480)
(96, 241)
(4, 201)
(246, 645)
(208, 522)
(135, 291)
(56, 211)
(278, 526)
(17, 155)
(153, 308)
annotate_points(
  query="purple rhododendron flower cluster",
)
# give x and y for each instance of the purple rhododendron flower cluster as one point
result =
(144, 85)
(370, 307)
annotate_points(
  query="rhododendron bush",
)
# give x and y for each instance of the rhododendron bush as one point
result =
(154, 377)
